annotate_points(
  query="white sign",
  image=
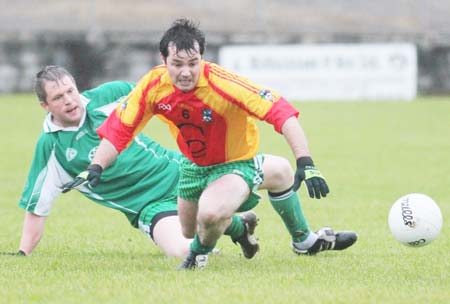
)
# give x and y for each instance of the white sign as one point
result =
(328, 71)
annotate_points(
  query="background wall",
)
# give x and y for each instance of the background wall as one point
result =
(101, 40)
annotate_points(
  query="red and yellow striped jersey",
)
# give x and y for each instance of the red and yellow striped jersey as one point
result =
(212, 124)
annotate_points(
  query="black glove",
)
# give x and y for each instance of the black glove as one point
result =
(91, 177)
(18, 253)
(314, 180)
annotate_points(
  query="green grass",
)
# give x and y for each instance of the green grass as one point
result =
(371, 153)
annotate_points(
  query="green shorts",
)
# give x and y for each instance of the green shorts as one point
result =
(194, 179)
(156, 211)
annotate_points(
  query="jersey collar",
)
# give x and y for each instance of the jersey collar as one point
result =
(50, 126)
(202, 81)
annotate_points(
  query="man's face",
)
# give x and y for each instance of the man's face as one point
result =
(64, 102)
(184, 67)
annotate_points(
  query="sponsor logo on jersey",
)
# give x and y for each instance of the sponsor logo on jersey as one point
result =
(266, 94)
(92, 153)
(164, 107)
(71, 154)
(81, 134)
(207, 115)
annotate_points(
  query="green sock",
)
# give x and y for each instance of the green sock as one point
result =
(197, 247)
(236, 228)
(287, 204)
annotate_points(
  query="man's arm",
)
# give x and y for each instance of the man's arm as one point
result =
(32, 231)
(106, 153)
(306, 171)
(296, 138)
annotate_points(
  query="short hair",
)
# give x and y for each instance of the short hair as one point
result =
(47, 74)
(183, 33)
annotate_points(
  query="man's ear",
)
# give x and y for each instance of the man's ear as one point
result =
(44, 105)
(162, 58)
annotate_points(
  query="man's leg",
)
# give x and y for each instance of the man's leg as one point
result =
(159, 221)
(187, 213)
(167, 236)
(240, 230)
(278, 179)
(216, 207)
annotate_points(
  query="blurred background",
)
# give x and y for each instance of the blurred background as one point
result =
(102, 40)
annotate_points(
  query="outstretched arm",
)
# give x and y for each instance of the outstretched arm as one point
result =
(32, 231)
(296, 138)
(306, 171)
(106, 153)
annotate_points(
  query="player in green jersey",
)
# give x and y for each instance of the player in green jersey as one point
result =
(142, 182)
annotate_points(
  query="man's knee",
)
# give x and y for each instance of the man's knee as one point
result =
(278, 174)
(211, 217)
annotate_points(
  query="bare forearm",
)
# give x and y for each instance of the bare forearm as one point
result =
(296, 138)
(33, 229)
(106, 153)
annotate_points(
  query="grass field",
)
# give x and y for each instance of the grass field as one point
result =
(371, 153)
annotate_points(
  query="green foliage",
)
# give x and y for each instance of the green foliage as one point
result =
(371, 154)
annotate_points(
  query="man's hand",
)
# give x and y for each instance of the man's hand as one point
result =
(314, 180)
(91, 177)
(18, 253)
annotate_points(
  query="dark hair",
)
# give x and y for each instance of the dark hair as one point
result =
(49, 73)
(183, 33)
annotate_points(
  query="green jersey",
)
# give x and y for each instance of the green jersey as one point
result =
(143, 173)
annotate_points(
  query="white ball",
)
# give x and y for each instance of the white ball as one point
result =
(415, 220)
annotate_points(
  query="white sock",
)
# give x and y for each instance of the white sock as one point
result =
(306, 244)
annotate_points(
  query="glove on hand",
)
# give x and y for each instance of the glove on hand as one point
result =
(18, 253)
(91, 177)
(314, 180)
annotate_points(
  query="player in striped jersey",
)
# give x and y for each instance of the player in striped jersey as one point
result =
(211, 112)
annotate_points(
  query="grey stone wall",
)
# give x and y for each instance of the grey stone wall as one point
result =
(94, 62)
(102, 40)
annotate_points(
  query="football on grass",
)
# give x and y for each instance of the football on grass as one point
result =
(415, 220)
